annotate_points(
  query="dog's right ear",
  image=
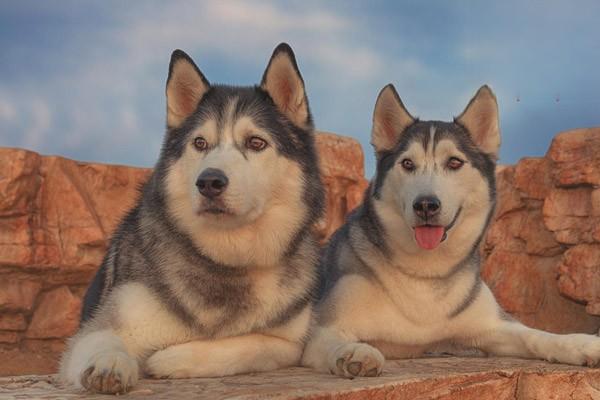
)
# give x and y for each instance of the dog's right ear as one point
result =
(390, 120)
(185, 87)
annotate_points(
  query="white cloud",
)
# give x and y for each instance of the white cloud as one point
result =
(129, 119)
(268, 16)
(246, 31)
(8, 111)
(40, 121)
(110, 98)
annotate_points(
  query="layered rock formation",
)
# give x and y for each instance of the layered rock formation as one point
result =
(543, 247)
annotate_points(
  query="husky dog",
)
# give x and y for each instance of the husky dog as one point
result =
(213, 272)
(402, 275)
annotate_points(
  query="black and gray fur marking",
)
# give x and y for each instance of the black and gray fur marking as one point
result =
(148, 241)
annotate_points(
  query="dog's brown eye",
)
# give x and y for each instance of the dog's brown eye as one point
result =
(255, 143)
(200, 143)
(407, 164)
(455, 163)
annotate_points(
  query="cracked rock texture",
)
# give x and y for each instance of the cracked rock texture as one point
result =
(541, 253)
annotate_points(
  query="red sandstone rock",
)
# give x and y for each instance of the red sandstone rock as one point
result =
(57, 316)
(505, 272)
(75, 235)
(535, 223)
(57, 213)
(503, 234)
(18, 295)
(508, 197)
(525, 286)
(340, 157)
(19, 188)
(539, 240)
(342, 173)
(595, 200)
(12, 322)
(579, 275)
(573, 202)
(43, 346)
(532, 177)
(9, 337)
(16, 361)
(569, 214)
(576, 157)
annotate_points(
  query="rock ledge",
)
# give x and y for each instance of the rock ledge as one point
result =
(431, 378)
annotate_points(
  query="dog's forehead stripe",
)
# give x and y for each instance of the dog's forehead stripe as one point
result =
(431, 148)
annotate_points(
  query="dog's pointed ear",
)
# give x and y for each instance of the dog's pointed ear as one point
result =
(480, 119)
(283, 82)
(390, 119)
(185, 87)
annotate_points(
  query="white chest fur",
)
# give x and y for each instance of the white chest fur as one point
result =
(401, 309)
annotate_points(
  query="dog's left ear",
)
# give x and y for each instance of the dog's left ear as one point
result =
(283, 82)
(390, 120)
(480, 118)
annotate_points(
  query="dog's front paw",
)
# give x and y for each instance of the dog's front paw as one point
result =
(110, 372)
(168, 363)
(356, 359)
(579, 349)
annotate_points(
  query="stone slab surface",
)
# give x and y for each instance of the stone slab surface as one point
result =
(430, 378)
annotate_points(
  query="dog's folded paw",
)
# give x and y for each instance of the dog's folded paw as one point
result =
(168, 363)
(356, 359)
(110, 372)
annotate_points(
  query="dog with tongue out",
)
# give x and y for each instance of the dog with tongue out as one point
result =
(401, 277)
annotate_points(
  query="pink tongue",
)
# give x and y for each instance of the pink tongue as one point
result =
(429, 237)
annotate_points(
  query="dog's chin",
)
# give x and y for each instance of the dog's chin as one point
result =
(215, 211)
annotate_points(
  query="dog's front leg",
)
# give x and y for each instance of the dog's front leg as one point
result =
(511, 338)
(507, 337)
(330, 350)
(221, 357)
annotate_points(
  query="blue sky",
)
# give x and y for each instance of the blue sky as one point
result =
(85, 79)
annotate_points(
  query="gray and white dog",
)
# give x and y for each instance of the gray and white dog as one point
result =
(213, 272)
(402, 275)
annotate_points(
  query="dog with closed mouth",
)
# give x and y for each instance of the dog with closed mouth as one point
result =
(213, 271)
(401, 277)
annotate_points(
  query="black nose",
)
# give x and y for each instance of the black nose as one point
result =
(427, 206)
(212, 182)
